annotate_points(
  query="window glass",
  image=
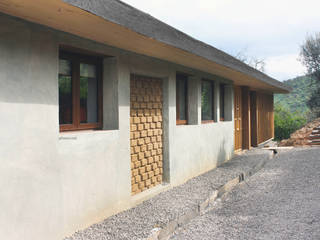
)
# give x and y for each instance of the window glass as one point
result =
(182, 98)
(79, 92)
(88, 94)
(88, 70)
(65, 92)
(222, 101)
(64, 67)
(206, 100)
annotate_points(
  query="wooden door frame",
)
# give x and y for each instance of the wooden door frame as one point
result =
(246, 123)
(237, 103)
(248, 118)
(254, 119)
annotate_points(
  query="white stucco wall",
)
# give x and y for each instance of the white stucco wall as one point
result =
(205, 147)
(30, 174)
(53, 183)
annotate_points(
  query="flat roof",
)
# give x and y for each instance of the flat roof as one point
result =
(117, 24)
(125, 15)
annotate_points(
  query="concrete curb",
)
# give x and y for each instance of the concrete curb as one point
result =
(166, 231)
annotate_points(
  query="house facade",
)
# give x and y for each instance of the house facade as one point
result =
(103, 106)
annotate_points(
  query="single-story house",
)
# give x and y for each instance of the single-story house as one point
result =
(103, 106)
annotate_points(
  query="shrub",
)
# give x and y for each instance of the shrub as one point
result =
(286, 122)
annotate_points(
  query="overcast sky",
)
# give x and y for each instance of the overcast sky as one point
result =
(271, 30)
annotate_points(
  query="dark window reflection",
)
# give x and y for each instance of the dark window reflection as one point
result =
(222, 101)
(182, 97)
(65, 92)
(88, 93)
(206, 100)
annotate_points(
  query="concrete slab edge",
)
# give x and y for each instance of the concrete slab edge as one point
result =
(166, 231)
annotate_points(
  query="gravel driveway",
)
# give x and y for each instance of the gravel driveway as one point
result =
(282, 201)
(137, 223)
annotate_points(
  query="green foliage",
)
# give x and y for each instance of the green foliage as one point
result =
(310, 58)
(84, 87)
(286, 122)
(314, 103)
(310, 55)
(65, 85)
(297, 101)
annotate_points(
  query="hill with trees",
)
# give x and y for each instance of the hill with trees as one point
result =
(291, 110)
(296, 101)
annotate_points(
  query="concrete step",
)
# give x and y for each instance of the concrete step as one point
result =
(312, 137)
(314, 142)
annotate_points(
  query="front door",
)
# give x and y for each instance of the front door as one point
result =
(237, 119)
(145, 132)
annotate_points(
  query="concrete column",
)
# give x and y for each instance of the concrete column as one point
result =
(169, 122)
(110, 94)
(123, 119)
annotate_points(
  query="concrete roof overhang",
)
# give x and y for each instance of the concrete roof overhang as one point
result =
(114, 23)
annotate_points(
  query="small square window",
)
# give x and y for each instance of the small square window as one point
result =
(207, 101)
(80, 92)
(182, 99)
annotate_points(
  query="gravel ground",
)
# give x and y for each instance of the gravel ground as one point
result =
(282, 201)
(138, 222)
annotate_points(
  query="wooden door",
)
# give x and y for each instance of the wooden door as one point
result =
(145, 132)
(253, 119)
(237, 118)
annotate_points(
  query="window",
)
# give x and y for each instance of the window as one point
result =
(80, 92)
(181, 95)
(222, 94)
(207, 98)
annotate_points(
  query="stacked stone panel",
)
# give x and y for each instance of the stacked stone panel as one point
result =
(145, 132)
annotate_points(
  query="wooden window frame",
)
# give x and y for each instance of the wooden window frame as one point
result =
(222, 101)
(178, 120)
(75, 60)
(213, 110)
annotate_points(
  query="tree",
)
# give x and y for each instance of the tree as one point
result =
(254, 62)
(310, 55)
(310, 58)
(286, 122)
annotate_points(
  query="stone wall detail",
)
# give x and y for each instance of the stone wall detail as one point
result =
(145, 132)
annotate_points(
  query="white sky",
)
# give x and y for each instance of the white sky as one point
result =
(271, 30)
